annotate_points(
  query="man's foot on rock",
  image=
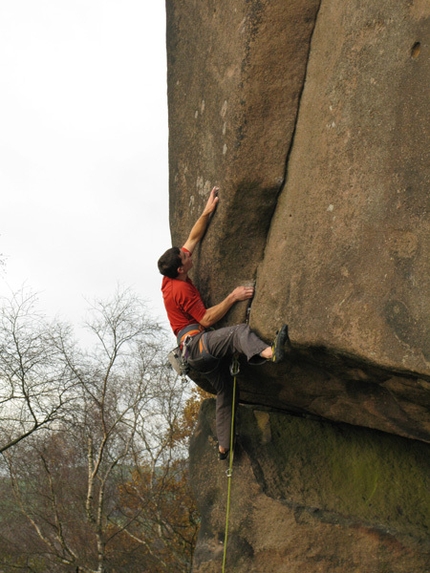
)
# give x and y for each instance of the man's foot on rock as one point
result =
(278, 351)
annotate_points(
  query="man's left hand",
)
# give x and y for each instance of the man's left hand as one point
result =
(243, 293)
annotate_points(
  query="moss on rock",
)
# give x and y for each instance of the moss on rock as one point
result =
(357, 473)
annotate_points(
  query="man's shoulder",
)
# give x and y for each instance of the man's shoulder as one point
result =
(177, 285)
(166, 283)
(184, 286)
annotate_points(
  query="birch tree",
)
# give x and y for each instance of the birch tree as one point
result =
(82, 485)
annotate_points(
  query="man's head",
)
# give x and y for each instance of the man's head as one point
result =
(174, 262)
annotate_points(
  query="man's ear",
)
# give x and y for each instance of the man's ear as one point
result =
(180, 270)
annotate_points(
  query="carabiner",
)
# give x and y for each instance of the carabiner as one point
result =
(234, 366)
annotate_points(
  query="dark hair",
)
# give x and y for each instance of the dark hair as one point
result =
(169, 263)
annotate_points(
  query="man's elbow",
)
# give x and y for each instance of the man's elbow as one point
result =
(207, 320)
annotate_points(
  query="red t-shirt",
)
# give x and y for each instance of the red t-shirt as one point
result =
(183, 303)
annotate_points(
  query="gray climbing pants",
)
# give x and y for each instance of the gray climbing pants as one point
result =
(210, 353)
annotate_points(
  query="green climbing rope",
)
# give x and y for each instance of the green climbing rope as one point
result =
(234, 370)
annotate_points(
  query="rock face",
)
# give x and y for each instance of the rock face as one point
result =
(313, 118)
(311, 496)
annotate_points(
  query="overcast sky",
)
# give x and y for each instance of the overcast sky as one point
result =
(83, 150)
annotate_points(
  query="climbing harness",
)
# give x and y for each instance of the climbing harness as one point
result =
(234, 371)
(178, 358)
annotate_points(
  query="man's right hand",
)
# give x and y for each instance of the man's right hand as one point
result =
(211, 202)
(202, 222)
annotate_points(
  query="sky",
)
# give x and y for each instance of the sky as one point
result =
(83, 151)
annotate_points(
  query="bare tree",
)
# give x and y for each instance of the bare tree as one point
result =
(82, 485)
(35, 383)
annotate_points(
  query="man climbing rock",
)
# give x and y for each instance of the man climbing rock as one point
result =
(210, 351)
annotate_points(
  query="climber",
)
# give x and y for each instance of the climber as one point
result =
(210, 351)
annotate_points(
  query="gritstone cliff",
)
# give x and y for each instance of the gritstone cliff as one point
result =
(313, 117)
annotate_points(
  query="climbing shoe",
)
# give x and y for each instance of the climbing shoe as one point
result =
(279, 343)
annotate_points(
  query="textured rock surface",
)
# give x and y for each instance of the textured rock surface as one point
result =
(235, 74)
(314, 119)
(312, 496)
(352, 224)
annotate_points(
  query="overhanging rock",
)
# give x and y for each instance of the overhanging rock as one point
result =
(313, 119)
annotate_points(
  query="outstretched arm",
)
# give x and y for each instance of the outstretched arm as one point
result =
(202, 222)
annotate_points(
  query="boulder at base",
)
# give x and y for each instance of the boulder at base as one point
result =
(308, 495)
